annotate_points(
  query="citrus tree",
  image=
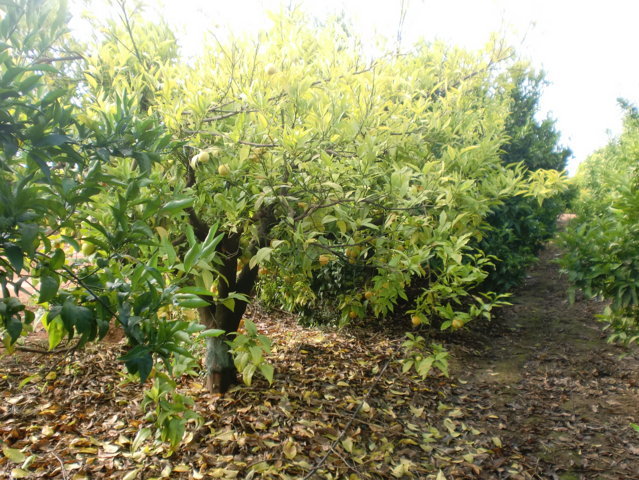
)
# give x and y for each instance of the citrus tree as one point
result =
(138, 186)
(517, 229)
(86, 264)
(602, 242)
(305, 156)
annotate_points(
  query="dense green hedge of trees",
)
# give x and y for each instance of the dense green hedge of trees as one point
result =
(602, 242)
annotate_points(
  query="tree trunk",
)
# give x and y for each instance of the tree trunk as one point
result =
(221, 373)
(220, 369)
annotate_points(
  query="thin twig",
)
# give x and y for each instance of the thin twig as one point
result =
(127, 24)
(348, 425)
(59, 59)
(226, 115)
(351, 467)
(46, 352)
(226, 137)
(65, 475)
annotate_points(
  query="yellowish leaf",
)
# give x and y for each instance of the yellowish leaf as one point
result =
(290, 451)
(132, 475)
(110, 448)
(347, 443)
(87, 450)
(19, 473)
(13, 454)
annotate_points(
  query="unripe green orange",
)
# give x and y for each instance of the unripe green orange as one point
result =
(270, 69)
(88, 249)
(223, 170)
(203, 157)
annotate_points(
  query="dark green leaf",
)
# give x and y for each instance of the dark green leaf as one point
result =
(139, 360)
(14, 328)
(49, 285)
(16, 256)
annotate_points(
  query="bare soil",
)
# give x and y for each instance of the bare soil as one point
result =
(564, 397)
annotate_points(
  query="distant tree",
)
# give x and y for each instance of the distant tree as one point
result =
(519, 227)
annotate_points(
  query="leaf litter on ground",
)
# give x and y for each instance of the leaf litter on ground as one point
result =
(521, 403)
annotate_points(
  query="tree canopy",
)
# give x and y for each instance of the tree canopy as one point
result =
(137, 185)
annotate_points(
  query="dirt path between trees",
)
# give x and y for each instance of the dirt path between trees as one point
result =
(551, 387)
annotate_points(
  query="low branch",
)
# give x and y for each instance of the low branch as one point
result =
(226, 137)
(47, 352)
(59, 59)
(226, 115)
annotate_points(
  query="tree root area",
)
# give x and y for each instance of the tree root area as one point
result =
(536, 394)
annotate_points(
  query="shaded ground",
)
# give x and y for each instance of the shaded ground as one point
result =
(538, 394)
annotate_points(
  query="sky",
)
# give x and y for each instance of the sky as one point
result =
(588, 48)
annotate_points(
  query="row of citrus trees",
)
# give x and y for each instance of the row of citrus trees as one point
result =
(602, 242)
(137, 185)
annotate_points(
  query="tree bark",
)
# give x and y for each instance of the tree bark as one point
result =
(220, 369)
(221, 373)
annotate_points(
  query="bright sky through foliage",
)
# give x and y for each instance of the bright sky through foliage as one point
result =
(586, 47)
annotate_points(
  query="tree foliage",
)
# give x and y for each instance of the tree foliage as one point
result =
(137, 185)
(602, 243)
(518, 228)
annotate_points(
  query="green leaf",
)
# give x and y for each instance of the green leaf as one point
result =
(29, 379)
(247, 374)
(262, 255)
(139, 360)
(267, 371)
(81, 318)
(139, 439)
(192, 257)
(195, 291)
(57, 260)
(49, 285)
(55, 330)
(188, 300)
(29, 233)
(176, 205)
(52, 140)
(16, 257)
(174, 431)
(14, 328)
(53, 95)
(212, 332)
(16, 456)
